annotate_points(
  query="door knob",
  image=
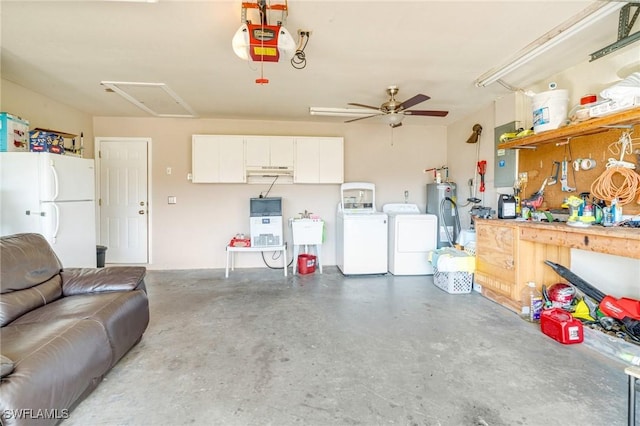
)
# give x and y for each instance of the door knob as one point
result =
(140, 211)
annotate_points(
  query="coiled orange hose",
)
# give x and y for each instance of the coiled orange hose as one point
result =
(627, 190)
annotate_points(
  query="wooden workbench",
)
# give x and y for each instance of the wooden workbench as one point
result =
(510, 253)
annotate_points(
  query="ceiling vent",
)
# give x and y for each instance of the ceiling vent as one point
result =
(155, 98)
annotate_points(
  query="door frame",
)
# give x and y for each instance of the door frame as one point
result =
(97, 145)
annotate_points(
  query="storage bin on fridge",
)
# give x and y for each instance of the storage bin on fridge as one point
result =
(14, 133)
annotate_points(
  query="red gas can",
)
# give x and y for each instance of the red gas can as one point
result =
(561, 326)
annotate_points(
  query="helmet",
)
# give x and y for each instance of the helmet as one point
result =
(562, 295)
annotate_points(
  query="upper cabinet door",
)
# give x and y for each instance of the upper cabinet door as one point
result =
(282, 151)
(307, 166)
(319, 160)
(232, 160)
(331, 158)
(269, 151)
(217, 159)
(257, 151)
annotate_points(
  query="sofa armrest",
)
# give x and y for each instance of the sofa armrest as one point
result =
(91, 280)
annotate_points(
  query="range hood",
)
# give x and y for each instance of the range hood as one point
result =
(269, 174)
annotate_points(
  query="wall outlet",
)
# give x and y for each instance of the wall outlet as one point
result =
(523, 177)
(171, 199)
(189, 176)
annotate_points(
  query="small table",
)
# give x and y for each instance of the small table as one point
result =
(232, 250)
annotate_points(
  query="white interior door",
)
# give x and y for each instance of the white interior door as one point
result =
(124, 210)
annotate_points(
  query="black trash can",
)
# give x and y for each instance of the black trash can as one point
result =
(100, 252)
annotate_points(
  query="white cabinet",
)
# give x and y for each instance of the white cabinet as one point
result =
(319, 160)
(217, 159)
(269, 151)
(246, 159)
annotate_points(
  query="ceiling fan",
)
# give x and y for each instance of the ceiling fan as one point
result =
(394, 111)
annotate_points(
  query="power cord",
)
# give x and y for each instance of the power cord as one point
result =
(275, 256)
(299, 60)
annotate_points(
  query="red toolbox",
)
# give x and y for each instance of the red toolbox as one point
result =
(561, 326)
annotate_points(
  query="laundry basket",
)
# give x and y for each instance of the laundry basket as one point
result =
(452, 270)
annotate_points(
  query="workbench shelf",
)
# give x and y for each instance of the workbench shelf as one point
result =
(589, 127)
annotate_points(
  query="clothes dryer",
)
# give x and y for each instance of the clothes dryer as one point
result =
(411, 236)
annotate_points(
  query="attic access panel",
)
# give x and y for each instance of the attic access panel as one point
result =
(155, 98)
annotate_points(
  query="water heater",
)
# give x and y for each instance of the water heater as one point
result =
(439, 203)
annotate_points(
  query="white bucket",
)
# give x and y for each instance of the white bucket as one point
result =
(550, 110)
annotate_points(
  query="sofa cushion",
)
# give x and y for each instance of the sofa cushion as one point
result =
(26, 260)
(123, 315)
(6, 366)
(56, 364)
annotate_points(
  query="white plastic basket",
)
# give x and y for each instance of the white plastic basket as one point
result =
(470, 248)
(457, 282)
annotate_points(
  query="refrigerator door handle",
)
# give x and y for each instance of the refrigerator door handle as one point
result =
(57, 227)
(56, 189)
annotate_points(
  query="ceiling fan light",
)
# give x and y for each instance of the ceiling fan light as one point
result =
(393, 118)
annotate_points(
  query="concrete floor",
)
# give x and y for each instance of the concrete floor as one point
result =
(261, 349)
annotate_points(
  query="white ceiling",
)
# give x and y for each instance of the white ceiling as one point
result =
(356, 49)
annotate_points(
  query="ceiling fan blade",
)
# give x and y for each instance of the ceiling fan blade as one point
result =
(364, 106)
(361, 118)
(413, 101)
(426, 113)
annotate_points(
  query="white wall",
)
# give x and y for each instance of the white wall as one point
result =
(194, 232)
(463, 157)
(46, 113)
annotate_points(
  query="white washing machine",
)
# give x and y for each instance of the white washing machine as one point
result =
(361, 231)
(411, 236)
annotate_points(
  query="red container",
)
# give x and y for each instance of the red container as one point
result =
(306, 263)
(561, 326)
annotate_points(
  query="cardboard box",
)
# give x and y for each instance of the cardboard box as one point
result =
(14, 133)
(46, 141)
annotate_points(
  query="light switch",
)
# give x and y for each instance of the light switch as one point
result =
(172, 199)
(168, 170)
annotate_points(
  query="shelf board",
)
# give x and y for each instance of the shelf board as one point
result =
(589, 127)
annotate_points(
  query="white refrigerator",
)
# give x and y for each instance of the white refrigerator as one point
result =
(53, 195)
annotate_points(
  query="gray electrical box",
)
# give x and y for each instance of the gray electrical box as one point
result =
(505, 160)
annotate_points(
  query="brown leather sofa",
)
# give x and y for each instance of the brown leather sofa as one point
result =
(61, 329)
